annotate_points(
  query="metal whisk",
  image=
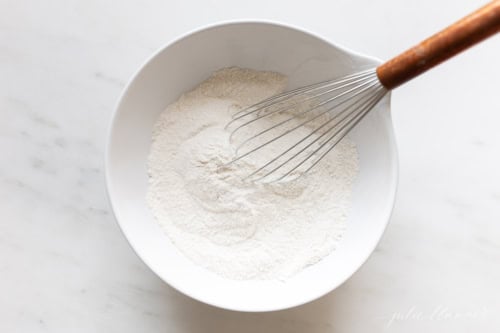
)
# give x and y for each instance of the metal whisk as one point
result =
(294, 130)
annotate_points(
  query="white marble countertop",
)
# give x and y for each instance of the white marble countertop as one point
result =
(64, 264)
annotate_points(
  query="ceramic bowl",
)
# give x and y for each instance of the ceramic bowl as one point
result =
(178, 67)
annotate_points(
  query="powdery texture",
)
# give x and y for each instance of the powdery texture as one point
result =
(237, 229)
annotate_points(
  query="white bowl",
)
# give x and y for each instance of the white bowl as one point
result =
(179, 67)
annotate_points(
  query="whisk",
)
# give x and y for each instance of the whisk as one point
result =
(294, 130)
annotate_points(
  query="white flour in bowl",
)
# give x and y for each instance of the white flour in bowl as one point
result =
(237, 229)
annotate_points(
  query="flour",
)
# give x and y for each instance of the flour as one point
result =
(238, 229)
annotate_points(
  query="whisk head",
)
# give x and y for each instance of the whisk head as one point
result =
(288, 134)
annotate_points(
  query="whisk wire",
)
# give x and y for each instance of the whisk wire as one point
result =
(347, 99)
(298, 143)
(349, 126)
(240, 156)
(368, 85)
(292, 105)
(350, 79)
(367, 102)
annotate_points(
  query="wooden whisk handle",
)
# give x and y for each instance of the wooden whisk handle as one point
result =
(459, 36)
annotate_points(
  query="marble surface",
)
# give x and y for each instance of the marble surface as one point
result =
(66, 267)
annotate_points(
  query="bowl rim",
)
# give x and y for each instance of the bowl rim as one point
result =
(111, 129)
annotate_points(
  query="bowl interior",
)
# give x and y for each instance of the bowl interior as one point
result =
(181, 66)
